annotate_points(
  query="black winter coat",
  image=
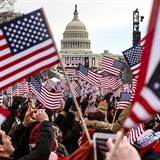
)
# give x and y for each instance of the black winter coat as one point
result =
(43, 145)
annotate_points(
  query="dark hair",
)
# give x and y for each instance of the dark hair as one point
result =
(1, 142)
(108, 96)
(99, 116)
(68, 104)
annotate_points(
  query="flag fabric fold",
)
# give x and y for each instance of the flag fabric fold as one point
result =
(125, 100)
(110, 82)
(88, 75)
(133, 57)
(111, 65)
(50, 100)
(84, 152)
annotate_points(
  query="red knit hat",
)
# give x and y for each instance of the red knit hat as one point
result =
(34, 135)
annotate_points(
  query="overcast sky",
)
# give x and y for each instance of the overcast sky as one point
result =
(108, 22)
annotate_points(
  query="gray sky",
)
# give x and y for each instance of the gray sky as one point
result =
(108, 22)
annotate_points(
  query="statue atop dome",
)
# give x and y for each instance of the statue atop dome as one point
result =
(75, 13)
(75, 8)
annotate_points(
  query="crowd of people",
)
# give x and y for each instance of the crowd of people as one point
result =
(32, 132)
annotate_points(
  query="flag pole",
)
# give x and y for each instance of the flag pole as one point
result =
(116, 145)
(68, 82)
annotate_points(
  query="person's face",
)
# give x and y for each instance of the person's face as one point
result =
(59, 136)
(7, 147)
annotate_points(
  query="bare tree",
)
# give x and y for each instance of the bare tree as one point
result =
(7, 10)
(7, 5)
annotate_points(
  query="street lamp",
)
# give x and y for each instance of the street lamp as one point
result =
(136, 20)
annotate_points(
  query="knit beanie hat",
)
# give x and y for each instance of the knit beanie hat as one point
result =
(34, 135)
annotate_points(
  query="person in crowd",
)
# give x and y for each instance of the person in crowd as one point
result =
(62, 114)
(97, 120)
(70, 126)
(43, 145)
(118, 125)
(98, 99)
(124, 151)
(71, 130)
(15, 108)
(61, 149)
(57, 148)
(149, 145)
(153, 123)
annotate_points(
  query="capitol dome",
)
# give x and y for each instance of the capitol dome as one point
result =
(75, 36)
(75, 24)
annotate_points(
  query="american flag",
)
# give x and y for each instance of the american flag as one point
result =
(20, 89)
(134, 133)
(125, 99)
(147, 99)
(49, 84)
(50, 100)
(71, 71)
(45, 74)
(14, 90)
(35, 87)
(111, 65)
(111, 82)
(133, 88)
(26, 48)
(67, 60)
(106, 82)
(74, 86)
(105, 91)
(90, 109)
(23, 87)
(88, 75)
(4, 113)
(133, 57)
(134, 85)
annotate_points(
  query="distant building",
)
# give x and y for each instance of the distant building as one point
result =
(76, 48)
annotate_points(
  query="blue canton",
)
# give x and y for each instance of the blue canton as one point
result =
(83, 69)
(118, 64)
(37, 85)
(125, 96)
(133, 55)
(25, 32)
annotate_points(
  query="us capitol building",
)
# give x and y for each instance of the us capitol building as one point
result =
(76, 48)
